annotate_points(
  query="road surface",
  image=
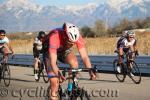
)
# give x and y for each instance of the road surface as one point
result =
(107, 87)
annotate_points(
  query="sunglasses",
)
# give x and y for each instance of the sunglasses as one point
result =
(2, 35)
(131, 37)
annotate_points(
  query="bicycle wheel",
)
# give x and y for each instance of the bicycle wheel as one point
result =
(80, 94)
(135, 73)
(39, 72)
(0, 72)
(6, 75)
(44, 73)
(61, 94)
(120, 75)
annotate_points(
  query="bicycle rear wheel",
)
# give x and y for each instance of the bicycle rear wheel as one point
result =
(135, 73)
(6, 75)
(119, 75)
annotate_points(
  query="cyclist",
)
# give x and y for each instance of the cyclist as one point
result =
(5, 47)
(126, 44)
(37, 49)
(61, 41)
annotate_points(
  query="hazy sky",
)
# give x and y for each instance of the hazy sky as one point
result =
(62, 3)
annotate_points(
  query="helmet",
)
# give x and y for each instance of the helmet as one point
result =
(130, 33)
(72, 31)
(2, 32)
(41, 34)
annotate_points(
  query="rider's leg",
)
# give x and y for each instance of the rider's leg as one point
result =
(120, 56)
(132, 53)
(54, 85)
(36, 62)
(54, 81)
(36, 54)
(71, 59)
(5, 51)
(131, 56)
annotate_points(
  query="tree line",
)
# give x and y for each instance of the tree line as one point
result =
(101, 29)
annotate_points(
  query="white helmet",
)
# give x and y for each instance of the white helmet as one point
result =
(72, 31)
(130, 33)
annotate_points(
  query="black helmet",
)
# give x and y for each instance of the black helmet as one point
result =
(2, 32)
(41, 34)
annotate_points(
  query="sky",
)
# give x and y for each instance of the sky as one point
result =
(63, 3)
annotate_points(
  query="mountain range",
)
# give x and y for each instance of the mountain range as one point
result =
(24, 15)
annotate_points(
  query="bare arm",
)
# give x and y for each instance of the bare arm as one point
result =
(85, 58)
(53, 63)
(10, 48)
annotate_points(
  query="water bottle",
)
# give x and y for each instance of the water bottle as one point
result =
(70, 85)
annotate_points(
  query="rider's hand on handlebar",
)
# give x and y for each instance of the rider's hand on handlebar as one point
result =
(13, 54)
(61, 78)
(92, 73)
(136, 52)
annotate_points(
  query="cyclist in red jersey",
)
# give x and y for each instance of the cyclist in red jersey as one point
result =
(60, 42)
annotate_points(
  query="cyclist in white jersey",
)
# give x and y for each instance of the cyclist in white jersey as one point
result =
(37, 50)
(5, 47)
(127, 44)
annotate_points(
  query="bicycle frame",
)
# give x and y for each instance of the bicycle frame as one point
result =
(5, 70)
(128, 67)
(76, 91)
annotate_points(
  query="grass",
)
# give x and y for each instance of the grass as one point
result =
(102, 45)
(22, 46)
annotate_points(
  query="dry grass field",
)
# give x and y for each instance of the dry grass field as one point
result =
(101, 45)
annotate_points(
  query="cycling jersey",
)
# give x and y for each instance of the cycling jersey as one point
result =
(124, 43)
(38, 44)
(58, 41)
(3, 41)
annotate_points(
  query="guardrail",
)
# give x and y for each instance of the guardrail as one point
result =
(104, 63)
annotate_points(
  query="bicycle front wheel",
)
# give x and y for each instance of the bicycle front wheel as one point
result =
(60, 96)
(44, 74)
(6, 75)
(119, 75)
(80, 94)
(135, 73)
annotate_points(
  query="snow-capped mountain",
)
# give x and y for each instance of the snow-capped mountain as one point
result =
(24, 15)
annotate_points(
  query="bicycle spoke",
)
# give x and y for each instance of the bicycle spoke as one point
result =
(120, 75)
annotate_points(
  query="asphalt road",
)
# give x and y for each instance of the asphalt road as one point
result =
(107, 87)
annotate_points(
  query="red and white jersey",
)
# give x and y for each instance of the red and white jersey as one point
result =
(58, 41)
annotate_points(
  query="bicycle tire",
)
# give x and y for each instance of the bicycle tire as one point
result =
(136, 78)
(40, 71)
(44, 74)
(45, 78)
(6, 75)
(39, 74)
(120, 76)
(80, 94)
(0, 72)
(61, 95)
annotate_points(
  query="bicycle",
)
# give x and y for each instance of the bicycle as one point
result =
(5, 70)
(127, 67)
(76, 92)
(42, 71)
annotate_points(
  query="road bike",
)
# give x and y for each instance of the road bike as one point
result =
(76, 92)
(127, 67)
(42, 72)
(5, 70)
